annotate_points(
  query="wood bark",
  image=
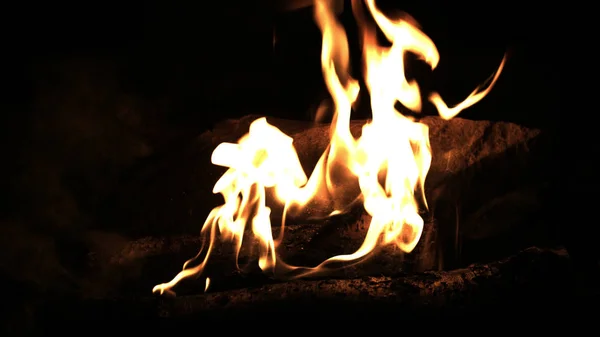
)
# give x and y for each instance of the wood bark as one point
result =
(474, 162)
(486, 190)
(537, 280)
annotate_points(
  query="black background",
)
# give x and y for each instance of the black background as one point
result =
(208, 61)
(85, 80)
(95, 86)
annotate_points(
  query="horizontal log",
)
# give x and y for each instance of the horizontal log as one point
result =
(429, 289)
(473, 162)
(534, 281)
(141, 264)
(494, 169)
(486, 183)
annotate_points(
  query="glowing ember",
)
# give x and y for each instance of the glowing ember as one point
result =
(392, 146)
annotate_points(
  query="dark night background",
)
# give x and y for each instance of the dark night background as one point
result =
(94, 88)
(126, 80)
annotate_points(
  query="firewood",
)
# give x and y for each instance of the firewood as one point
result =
(473, 162)
(534, 280)
(479, 168)
(429, 289)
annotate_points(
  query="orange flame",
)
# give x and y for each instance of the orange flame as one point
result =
(391, 145)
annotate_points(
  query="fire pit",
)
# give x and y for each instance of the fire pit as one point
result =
(401, 216)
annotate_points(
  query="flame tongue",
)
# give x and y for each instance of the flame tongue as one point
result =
(392, 146)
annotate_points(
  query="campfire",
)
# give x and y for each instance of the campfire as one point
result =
(384, 169)
(390, 205)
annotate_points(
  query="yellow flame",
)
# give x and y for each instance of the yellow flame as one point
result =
(391, 145)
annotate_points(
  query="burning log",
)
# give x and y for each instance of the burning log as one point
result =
(486, 181)
(486, 174)
(534, 280)
(429, 289)
(266, 175)
(473, 162)
(141, 262)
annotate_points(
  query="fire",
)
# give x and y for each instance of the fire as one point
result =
(389, 161)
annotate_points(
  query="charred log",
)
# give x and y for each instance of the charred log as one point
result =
(487, 191)
(175, 192)
(487, 180)
(534, 280)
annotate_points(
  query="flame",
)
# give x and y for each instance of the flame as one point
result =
(391, 145)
